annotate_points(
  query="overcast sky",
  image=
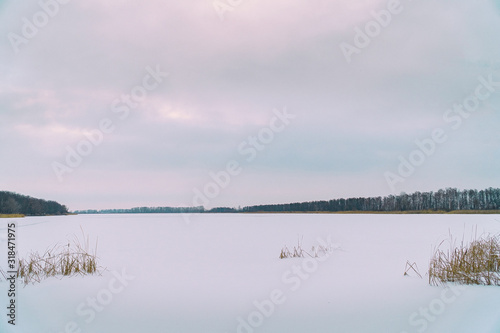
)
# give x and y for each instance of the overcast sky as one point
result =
(348, 118)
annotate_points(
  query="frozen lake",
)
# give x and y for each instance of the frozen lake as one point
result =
(221, 273)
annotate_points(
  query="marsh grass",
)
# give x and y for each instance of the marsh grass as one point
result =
(75, 258)
(474, 263)
(299, 252)
(9, 216)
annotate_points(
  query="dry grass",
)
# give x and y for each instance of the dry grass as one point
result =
(10, 216)
(492, 211)
(4, 274)
(299, 252)
(75, 258)
(477, 262)
(411, 267)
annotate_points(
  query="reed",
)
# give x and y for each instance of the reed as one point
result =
(473, 263)
(75, 258)
(299, 252)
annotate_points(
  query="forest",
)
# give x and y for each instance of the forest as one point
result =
(450, 199)
(145, 210)
(14, 203)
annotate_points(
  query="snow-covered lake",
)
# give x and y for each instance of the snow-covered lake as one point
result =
(221, 273)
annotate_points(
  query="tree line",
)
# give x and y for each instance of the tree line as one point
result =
(146, 210)
(443, 200)
(14, 203)
(449, 199)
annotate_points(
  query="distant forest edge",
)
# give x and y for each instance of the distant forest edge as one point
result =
(146, 210)
(15, 205)
(448, 200)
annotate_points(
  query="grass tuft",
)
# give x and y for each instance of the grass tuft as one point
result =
(474, 263)
(299, 252)
(76, 258)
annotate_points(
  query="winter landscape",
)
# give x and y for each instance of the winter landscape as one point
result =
(244, 166)
(222, 273)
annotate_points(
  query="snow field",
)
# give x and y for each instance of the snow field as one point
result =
(221, 273)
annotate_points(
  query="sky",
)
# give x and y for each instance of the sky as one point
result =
(119, 104)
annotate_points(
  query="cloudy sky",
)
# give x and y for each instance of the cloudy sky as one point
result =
(304, 99)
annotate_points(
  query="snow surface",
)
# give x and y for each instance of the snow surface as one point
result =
(207, 275)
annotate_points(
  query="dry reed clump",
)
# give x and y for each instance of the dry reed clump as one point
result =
(475, 263)
(299, 252)
(69, 260)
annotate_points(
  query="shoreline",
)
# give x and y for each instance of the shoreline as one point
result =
(412, 212)
(11, 216)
